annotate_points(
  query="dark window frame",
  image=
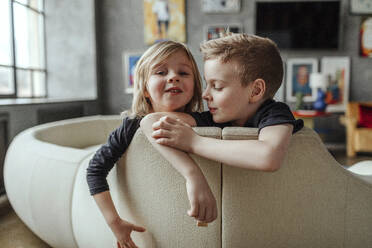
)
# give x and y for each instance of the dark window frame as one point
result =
(14, 66)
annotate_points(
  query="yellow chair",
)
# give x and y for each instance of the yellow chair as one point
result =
(359, 139)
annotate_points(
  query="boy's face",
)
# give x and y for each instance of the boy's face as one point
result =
(227, 99)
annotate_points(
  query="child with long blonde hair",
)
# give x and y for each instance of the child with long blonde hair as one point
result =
(166, 80)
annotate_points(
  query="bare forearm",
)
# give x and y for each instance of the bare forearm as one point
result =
(107, 207)
(180, 160)
(266, 153)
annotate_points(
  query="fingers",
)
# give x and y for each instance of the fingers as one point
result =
(202, 212)
(138, 228)
(160, 133)
(194, 211)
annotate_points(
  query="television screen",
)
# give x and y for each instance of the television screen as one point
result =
(300, 25)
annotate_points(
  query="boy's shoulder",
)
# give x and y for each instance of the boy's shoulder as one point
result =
(271, 113)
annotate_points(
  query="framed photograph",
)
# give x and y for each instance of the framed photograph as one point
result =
(213, 31)
(298, 78)
(337, 70)
(130, 60)
(164, 20)
(361, 7)
(366, 37)
(220, 6)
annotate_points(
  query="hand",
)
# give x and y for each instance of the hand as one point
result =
(122, 230)
(202, 202)
(174, 133)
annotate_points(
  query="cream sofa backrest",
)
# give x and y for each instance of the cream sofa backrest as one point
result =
(310, 202)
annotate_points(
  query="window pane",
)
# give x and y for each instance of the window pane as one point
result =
(39, 84)
(5, 32)
(28, 27)
(6, 81)
(37, 4)
(25, 2)
(24, 83)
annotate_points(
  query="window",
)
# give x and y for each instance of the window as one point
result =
(22, 56)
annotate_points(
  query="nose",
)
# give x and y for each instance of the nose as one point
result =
(206, 96)
(173, 78)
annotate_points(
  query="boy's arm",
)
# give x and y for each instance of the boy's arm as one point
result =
(202, 201)
(265, 154)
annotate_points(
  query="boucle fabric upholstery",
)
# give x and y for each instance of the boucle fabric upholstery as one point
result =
(311, 201)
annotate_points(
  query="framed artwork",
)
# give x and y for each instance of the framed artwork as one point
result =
(220, 6)
(366, 37)
(298, 78)
(213, 31)
(337, 70)
(130, 60)
(164, 20)
(360, 7)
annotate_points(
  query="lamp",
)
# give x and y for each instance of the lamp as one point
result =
(319, 82)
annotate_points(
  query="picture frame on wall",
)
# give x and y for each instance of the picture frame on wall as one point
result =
(164, 20)
(298, 78)
(360, 7)
(220, 6)
(130, 60)
(337, 69)
(214, 31)
(365, 44)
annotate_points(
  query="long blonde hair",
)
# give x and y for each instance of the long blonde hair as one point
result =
(141, 105)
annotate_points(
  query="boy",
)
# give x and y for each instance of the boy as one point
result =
(242, 73)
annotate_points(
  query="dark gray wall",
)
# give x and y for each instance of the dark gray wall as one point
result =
(120, 28)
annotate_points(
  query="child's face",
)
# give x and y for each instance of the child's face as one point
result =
(171, 84)
(227, 99)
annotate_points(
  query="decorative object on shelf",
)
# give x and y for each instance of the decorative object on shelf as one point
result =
(360, 7)
(299, 100)
(163, 20)
(337, 69)
(366, 37)
(129, 62)
(214, 31)
(220, 6)
(298, 73)
(319, 82)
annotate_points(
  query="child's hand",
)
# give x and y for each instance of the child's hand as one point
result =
(202, 201)
(122, 230)
(174, 133)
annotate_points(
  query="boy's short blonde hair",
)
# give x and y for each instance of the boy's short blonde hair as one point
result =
(152, 57)
(257, 57)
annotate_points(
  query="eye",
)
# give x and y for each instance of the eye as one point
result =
(217, 87)
(160, 72)
(184, 73)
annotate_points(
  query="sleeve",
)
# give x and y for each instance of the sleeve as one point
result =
(109, 153)
(278, 113)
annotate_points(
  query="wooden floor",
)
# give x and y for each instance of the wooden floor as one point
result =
(14, 234)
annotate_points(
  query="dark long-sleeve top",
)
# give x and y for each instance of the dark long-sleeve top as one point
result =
(106, 156)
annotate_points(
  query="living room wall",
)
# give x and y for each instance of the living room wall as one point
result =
(120, 28)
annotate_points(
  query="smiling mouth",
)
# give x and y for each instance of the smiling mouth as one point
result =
(174, 90)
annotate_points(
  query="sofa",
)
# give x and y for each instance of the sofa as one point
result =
(312, 201)
(358, 123)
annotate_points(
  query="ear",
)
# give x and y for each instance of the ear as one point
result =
(258, 87)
